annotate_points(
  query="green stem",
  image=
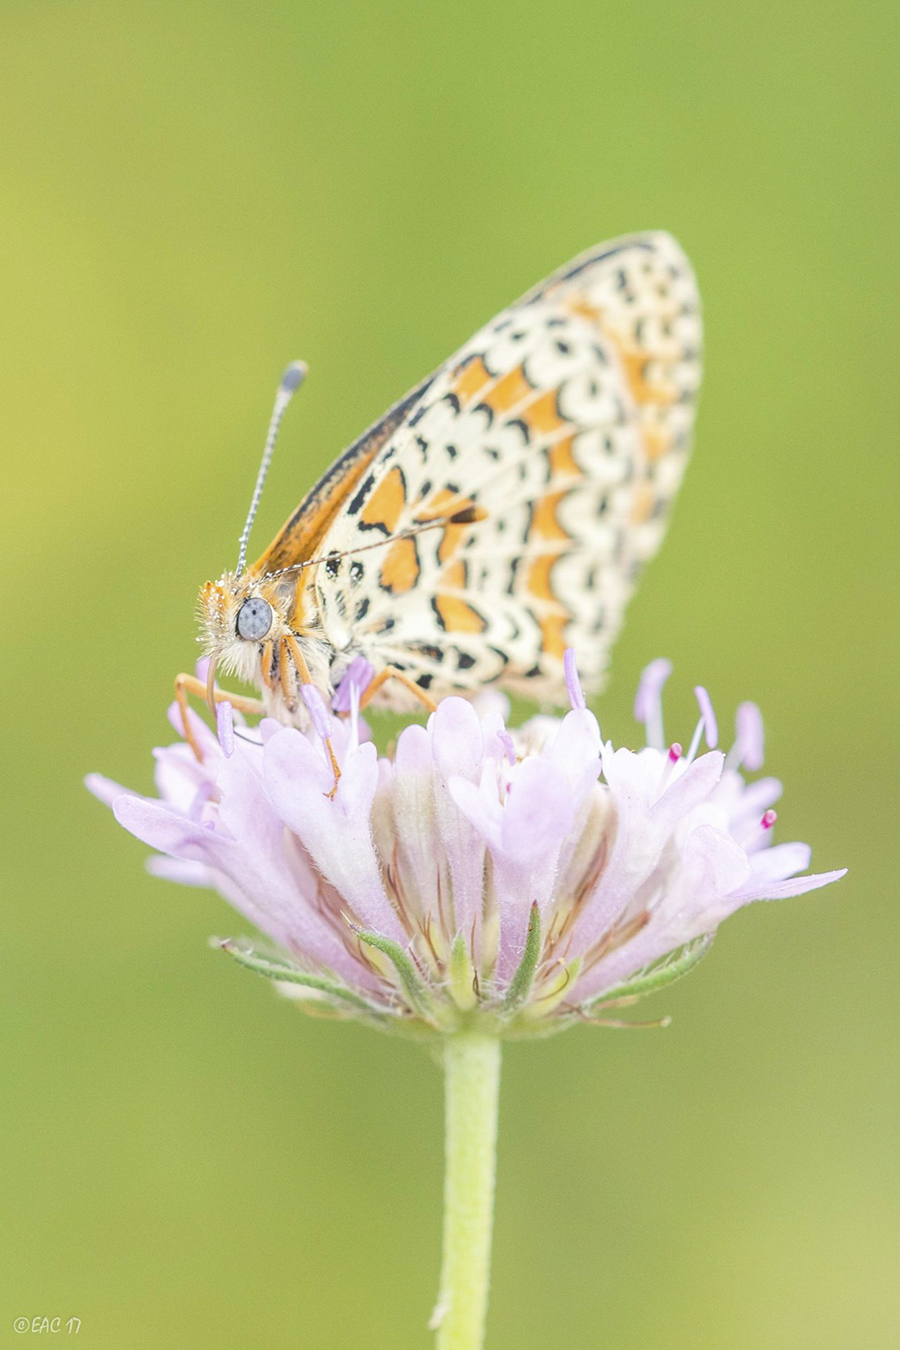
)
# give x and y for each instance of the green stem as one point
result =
(472, 1068)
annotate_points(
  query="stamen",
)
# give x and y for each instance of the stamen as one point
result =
(358, 676)
(749, 742)
(356, 693)
(211, 686)
(695, 742)
(711, 730)
(316, 708)
(573, 684)
(225, 728)
(672, 758)
(753, 836)
(204, 794)
(508, 745)
(648, 700)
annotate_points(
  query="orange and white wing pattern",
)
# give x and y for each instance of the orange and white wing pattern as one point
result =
(563, 427)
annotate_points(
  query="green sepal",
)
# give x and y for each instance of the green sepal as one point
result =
(461, 975)
(672, 967)
(272, 969)
(520, 986)
(413, 987)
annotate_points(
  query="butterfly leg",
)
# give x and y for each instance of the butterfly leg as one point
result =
(292, 649)
(189, 684)
(392, 673)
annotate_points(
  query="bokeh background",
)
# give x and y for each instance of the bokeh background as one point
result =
(190, 195)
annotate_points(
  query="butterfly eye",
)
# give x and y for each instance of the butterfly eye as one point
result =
(254, 619)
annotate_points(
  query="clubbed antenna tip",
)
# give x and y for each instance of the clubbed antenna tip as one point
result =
(293, 377)
(291, 381)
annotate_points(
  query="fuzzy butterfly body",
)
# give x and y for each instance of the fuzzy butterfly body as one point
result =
(497, 515)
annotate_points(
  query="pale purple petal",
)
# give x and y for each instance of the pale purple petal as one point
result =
(782, 890)
(690, 788)
(642, 832)
(462, 830)
(481, 808)
(336, 832)
(252, 860)
(456, 734)
(516, 887)
(410, 787)
(206, 740)
(575, 751)
(105, 789)
(458, 748)
(780, 861)
(537, 815)
(711, 863)
(181, 871)
(178, 774)
(723, 863)
(755, 799)
(497, 742)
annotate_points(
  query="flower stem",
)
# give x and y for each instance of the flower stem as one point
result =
(472, 1069)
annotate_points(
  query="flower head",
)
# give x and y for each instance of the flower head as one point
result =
(518, 878)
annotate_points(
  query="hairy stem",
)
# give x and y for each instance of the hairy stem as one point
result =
(472, 1069)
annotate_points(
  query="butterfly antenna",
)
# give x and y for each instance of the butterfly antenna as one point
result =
(291, 381)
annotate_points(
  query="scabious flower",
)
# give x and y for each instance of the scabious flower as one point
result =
(516, 880)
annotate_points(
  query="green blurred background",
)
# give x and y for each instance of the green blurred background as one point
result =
(190, 195)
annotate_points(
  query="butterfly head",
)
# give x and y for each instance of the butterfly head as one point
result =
(239, 616)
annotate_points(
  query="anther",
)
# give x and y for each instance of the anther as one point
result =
(225, 727)
(648, 701)
(748, 745)
(316, 709)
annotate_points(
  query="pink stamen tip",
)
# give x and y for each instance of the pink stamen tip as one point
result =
(675, 752)
(710, 728)
(316, 707)
(769, 819)
(225, 728)
(573, 684)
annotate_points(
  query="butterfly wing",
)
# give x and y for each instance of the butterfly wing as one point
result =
(522, 488)
(305, 528)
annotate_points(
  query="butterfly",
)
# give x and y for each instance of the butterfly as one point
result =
(498, 514)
